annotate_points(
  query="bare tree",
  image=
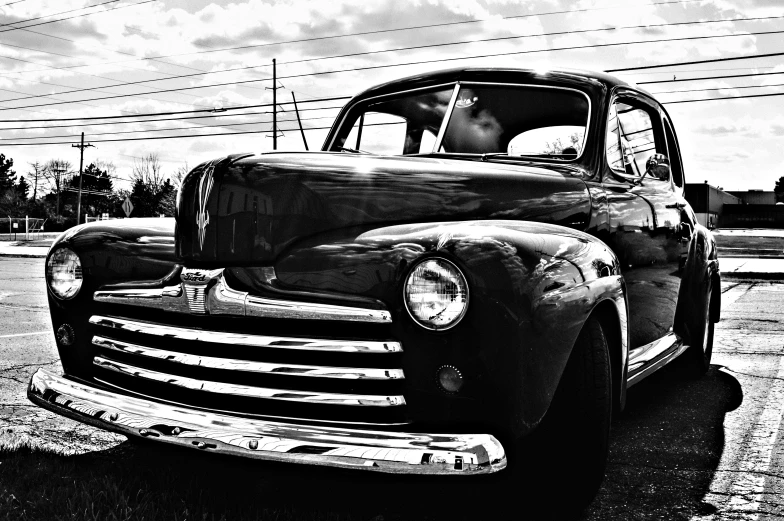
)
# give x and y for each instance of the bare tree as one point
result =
(180, 173)
(107, 165)
(38, 172)
(55, 171)
(147, 169)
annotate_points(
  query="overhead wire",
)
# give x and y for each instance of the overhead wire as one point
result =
(420, 62)
(419, 27)
(399, 49)
(217, 115)
(58, 14)
(294, 129)
(171, 113)
(77, 16)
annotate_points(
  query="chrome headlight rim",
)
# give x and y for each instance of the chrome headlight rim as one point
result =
(453, 265)
(72, 293)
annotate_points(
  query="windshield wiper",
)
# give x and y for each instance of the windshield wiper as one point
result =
(353, 150)
(525, 157)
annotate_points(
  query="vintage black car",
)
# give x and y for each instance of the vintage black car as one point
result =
(472, 271)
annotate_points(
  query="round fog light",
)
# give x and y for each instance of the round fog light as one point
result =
(65, 335)
(449, 379)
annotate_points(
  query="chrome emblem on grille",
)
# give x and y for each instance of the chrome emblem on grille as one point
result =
(203, 215)
(196, 283)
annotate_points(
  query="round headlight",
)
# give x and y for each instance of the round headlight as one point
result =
(436, 294)
(64, 273)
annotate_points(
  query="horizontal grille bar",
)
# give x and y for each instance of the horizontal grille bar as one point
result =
(349, 373)
(249, 391)
(241, 339)
(220, 299)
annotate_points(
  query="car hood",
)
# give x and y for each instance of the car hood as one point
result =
(248, 210)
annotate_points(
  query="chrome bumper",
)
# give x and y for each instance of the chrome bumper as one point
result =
(392, 452)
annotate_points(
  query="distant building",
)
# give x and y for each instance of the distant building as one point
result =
(708, 202)
(756, 196)
(716, 208)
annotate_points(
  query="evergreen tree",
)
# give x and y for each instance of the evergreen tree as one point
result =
(22, 188)
(7, 174)
(779, 190)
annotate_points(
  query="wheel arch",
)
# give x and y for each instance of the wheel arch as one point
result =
(606, 312)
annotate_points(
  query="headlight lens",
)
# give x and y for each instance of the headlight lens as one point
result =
(436, 294)
(64, 273)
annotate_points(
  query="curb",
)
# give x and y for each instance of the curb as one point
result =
(752, 275)
(23, 255)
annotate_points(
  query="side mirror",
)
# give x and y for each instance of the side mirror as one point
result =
(658, 167)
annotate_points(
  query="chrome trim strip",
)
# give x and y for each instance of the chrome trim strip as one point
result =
(169, 298)
(266, 307)
(261, 341)
(348, 373)
(381, 451)
(288, 395)
(220, 299)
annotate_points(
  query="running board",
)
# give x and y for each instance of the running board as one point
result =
(647, 359)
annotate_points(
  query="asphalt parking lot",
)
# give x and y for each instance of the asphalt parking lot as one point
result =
(684, 449)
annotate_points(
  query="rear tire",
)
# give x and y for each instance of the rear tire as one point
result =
(566, 455)
(698, 356)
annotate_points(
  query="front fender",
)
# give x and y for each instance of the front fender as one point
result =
(129, 250)
(532, 287)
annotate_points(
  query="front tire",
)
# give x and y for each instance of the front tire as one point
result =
(568, 451)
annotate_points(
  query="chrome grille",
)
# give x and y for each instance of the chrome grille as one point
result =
(253, 374)
(195, 296)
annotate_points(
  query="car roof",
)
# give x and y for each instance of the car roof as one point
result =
(587, 80)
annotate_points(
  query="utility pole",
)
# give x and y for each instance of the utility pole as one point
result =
(274, 90)
(81, 148)
(302, 131)
(274, 105)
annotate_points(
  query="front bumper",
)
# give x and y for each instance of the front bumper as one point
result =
(391, 452)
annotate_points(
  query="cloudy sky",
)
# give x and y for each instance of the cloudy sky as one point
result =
(180, 59)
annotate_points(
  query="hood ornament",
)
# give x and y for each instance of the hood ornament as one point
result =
(202, 214)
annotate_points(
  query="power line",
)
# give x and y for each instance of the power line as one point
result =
(77, 16)
(163, 119)
(187, 136)
(721, 88)
(57, 14)
(558, 33)
(168, 129)
(418, 27)
(714, 60)
(726, 98)
(728, 76)
(420, 62)
(428, 46)
(170, 113)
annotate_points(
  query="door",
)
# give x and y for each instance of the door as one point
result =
(646, 228)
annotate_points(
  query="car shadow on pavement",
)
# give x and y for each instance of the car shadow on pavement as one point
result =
(666, 446)
(664, 451)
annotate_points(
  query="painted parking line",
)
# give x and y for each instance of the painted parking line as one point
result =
(26, 334)
(748, 490)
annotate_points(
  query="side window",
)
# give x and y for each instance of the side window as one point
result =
(674, 154)
(633, 136)
(378, 133)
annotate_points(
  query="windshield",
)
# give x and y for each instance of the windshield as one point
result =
(510, 120)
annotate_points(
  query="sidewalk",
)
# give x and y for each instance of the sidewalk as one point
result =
(23, 249)
(751, 268)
